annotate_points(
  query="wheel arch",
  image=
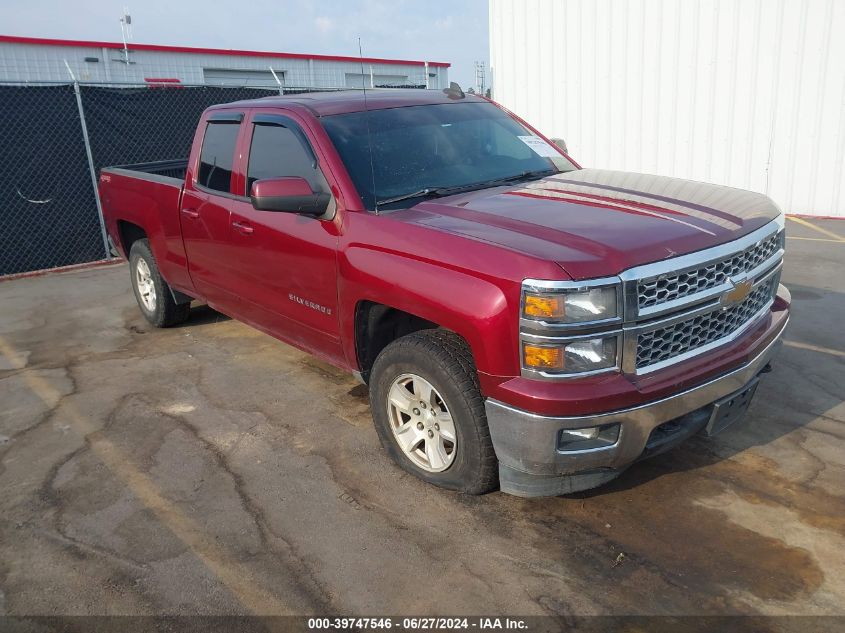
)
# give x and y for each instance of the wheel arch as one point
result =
(475, 309)
(128, 233)
(377, 325)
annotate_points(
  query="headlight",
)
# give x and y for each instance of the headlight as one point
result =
(570, 328)
(577, 305)
(571, 357)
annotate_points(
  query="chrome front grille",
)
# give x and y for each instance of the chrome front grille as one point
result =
(680, 338)
(673, 309)
(657, 290)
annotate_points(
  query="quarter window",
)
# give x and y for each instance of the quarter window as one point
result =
(218, 152)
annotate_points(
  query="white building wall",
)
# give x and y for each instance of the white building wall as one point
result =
(21, 62)
(748, 93)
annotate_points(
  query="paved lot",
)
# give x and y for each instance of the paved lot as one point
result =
(212, 469)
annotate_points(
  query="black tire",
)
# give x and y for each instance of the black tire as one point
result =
(444, 360)
(166, 312)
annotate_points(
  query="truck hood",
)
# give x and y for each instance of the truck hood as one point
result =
(596, 223)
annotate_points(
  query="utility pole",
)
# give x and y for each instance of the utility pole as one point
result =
(126, 32)
(479, 77)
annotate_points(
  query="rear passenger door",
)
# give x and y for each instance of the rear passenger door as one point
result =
(286, 263)
(206, 209)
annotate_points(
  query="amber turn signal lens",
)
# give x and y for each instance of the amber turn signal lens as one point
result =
(542, 357)
(544, 306)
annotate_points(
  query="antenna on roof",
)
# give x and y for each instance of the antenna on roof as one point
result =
(126, 32)
(367, 119)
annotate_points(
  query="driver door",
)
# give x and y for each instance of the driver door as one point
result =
(286, 263)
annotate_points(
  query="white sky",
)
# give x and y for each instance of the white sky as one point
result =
(435, 30)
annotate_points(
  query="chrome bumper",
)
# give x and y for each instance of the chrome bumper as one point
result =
(526, 444)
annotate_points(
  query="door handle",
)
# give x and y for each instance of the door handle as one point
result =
(243, 227)
(191, 213)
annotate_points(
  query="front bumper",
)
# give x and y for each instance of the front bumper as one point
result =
(526, 443)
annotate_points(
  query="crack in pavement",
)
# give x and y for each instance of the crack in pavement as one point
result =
(318, 595)
(254, 598)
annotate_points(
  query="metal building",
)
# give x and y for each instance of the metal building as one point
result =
(28, 59)
(748, 93)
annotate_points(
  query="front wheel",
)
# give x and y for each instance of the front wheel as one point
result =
(429, 411)
(151, 290)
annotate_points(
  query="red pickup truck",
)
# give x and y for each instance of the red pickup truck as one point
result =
(521, 322)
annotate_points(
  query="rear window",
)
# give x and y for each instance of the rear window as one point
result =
(217, 155)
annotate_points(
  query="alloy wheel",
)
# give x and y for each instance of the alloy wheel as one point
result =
(146, 285)
(421, 422)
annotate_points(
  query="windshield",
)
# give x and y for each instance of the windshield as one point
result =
(423, 151)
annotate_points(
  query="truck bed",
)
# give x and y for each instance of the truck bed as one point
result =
(157, 171)
(146, 198)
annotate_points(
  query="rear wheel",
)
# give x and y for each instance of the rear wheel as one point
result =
(429, 412)
(151, 291)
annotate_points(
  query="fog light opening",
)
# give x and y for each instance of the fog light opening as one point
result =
(588, 438)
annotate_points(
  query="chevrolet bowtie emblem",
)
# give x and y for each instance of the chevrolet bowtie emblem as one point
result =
(737, 294)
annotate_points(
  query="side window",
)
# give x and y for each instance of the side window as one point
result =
(218, 151)
(275, 152)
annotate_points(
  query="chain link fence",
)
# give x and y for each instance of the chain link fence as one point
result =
(48, 212)
(55, 140)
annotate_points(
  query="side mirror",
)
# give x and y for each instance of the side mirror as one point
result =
(560, 144)
(288, 195)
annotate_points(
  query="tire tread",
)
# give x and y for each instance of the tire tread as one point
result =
(170, 312)
(455, 357)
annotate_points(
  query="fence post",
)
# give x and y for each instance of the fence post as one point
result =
(276, 77)
(91, 168)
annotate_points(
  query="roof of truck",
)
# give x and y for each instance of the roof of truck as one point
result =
(343, 101)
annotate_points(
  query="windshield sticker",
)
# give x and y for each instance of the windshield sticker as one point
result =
(540, 146)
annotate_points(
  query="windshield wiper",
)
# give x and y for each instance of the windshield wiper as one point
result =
(427, 192)
(526, 175)
(434, 192)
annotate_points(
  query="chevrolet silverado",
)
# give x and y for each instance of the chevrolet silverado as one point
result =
(521, 322)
